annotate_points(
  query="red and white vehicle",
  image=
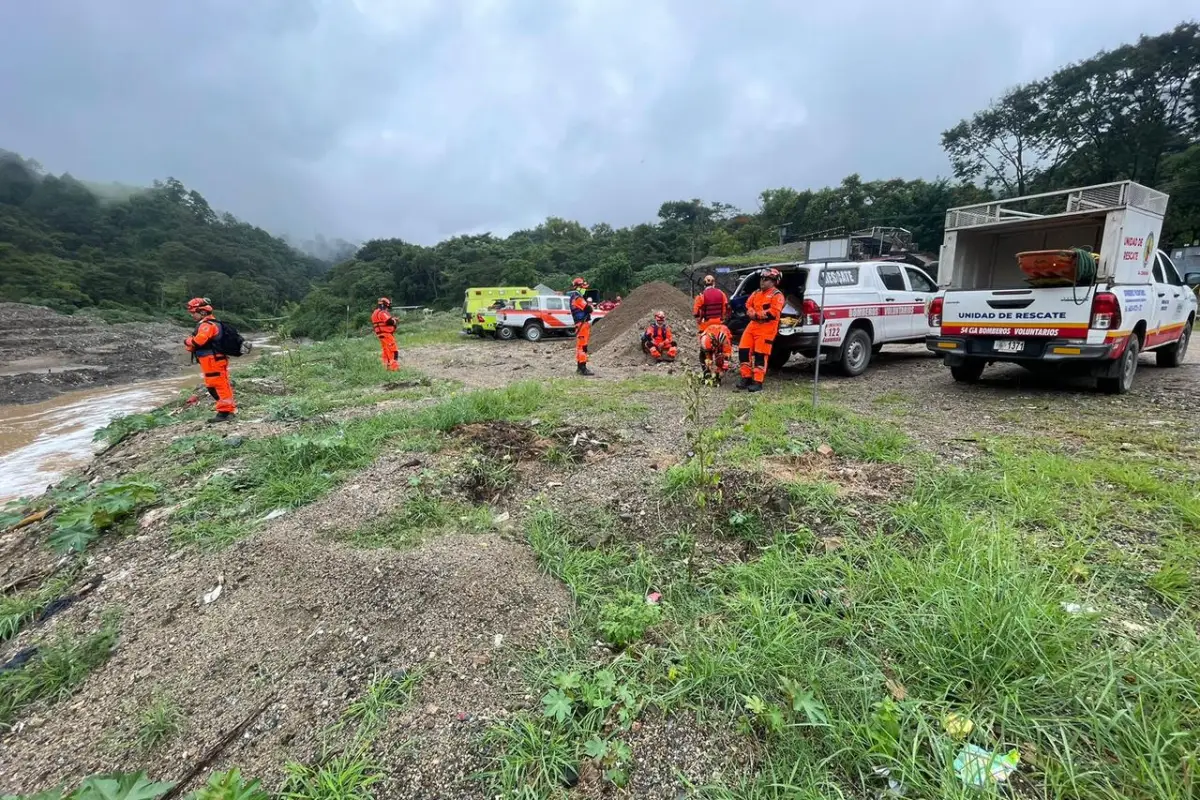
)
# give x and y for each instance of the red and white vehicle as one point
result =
(537, 317)
(1092, 324)
(867, 304)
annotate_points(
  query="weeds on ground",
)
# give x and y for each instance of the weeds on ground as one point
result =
(230, 786)
(20, 608)
(348, 776)
(122, 428)
(117, 786)
(81, 522)
(955, 600)
(388, 692)
(160, 722)
(423, 515)
(297, 468)
(55, 670)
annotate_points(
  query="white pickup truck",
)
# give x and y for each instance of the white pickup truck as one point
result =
(992, 311)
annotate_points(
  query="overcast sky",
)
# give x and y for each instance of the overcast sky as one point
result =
(428, 118)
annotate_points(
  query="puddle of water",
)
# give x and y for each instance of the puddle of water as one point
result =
(41, 442)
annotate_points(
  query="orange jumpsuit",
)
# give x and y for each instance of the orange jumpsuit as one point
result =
(711, 305)
(214, 365)
(581, 315)
(764, 308)
(384, 325)
(659, 343)
(716, 349)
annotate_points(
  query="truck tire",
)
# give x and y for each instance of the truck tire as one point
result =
(533, 332)
(1172, 355)
(505, 333)
(970, 371)
(856, 353)
(778, 358)
(1127, 368)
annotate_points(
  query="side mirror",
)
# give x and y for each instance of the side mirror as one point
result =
(1192, 279)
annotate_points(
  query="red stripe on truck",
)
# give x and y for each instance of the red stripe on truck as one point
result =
(895, 310)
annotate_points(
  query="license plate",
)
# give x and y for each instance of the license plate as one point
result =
(1010, 346)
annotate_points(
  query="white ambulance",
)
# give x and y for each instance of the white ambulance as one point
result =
(1096, 322)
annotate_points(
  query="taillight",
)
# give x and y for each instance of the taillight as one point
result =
(1106, 312)
(935, 313)
(811, 312)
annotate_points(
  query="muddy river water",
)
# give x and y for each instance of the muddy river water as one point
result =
(41, 442)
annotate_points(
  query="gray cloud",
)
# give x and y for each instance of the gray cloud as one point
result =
(427, 118)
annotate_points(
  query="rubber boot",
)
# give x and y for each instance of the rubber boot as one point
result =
(220, 416)
(754, 386)
(744, 383)
(582, 369)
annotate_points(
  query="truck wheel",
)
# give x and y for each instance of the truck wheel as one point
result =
(1127, 369)
(532, 332)
(856, 352)
(969, 371)
(1173, 356)
(505, 333)
(779, 357)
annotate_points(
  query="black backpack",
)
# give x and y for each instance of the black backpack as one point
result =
(229, 342)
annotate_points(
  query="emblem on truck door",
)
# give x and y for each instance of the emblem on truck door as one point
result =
(1148, 252)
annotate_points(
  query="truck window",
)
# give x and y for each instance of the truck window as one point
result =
(1158, 270)
(919, 280)
(891, 277)
(554, 304)
(1169, 271)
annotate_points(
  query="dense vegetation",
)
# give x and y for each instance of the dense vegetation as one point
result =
(70, 245)
(1131, 113)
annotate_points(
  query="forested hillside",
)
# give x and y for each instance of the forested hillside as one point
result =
(70, 245)
(1130, 113)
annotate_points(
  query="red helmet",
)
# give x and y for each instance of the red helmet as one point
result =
(770, 274)
(660, 317)
(709, 280)
(385, 302)
(198, 304)
(579, 283)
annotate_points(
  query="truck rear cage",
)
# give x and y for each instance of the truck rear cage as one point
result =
(1102, 197)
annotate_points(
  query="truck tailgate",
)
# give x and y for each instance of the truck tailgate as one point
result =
(1059, 313)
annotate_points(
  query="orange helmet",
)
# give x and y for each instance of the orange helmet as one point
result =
(385, 302)
(771, 274)
(197, 304)
(660, 317)
(579, 283)
(709, 280)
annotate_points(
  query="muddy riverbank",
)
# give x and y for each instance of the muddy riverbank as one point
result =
(44, 354)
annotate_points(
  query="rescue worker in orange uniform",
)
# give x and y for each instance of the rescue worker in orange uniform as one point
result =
(384, 325)
(716, 351)
(764, 308)
(213, 364)
(658, 340)
(711, 305)
(581, 315)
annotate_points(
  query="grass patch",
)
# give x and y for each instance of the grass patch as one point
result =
(18, 609)
(347, 776)
(54, 671)
(955, 597)
(159, 722)
(423, 516)
(388, 692)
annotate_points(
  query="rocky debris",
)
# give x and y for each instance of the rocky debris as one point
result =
(617, 337)
(44, 353)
